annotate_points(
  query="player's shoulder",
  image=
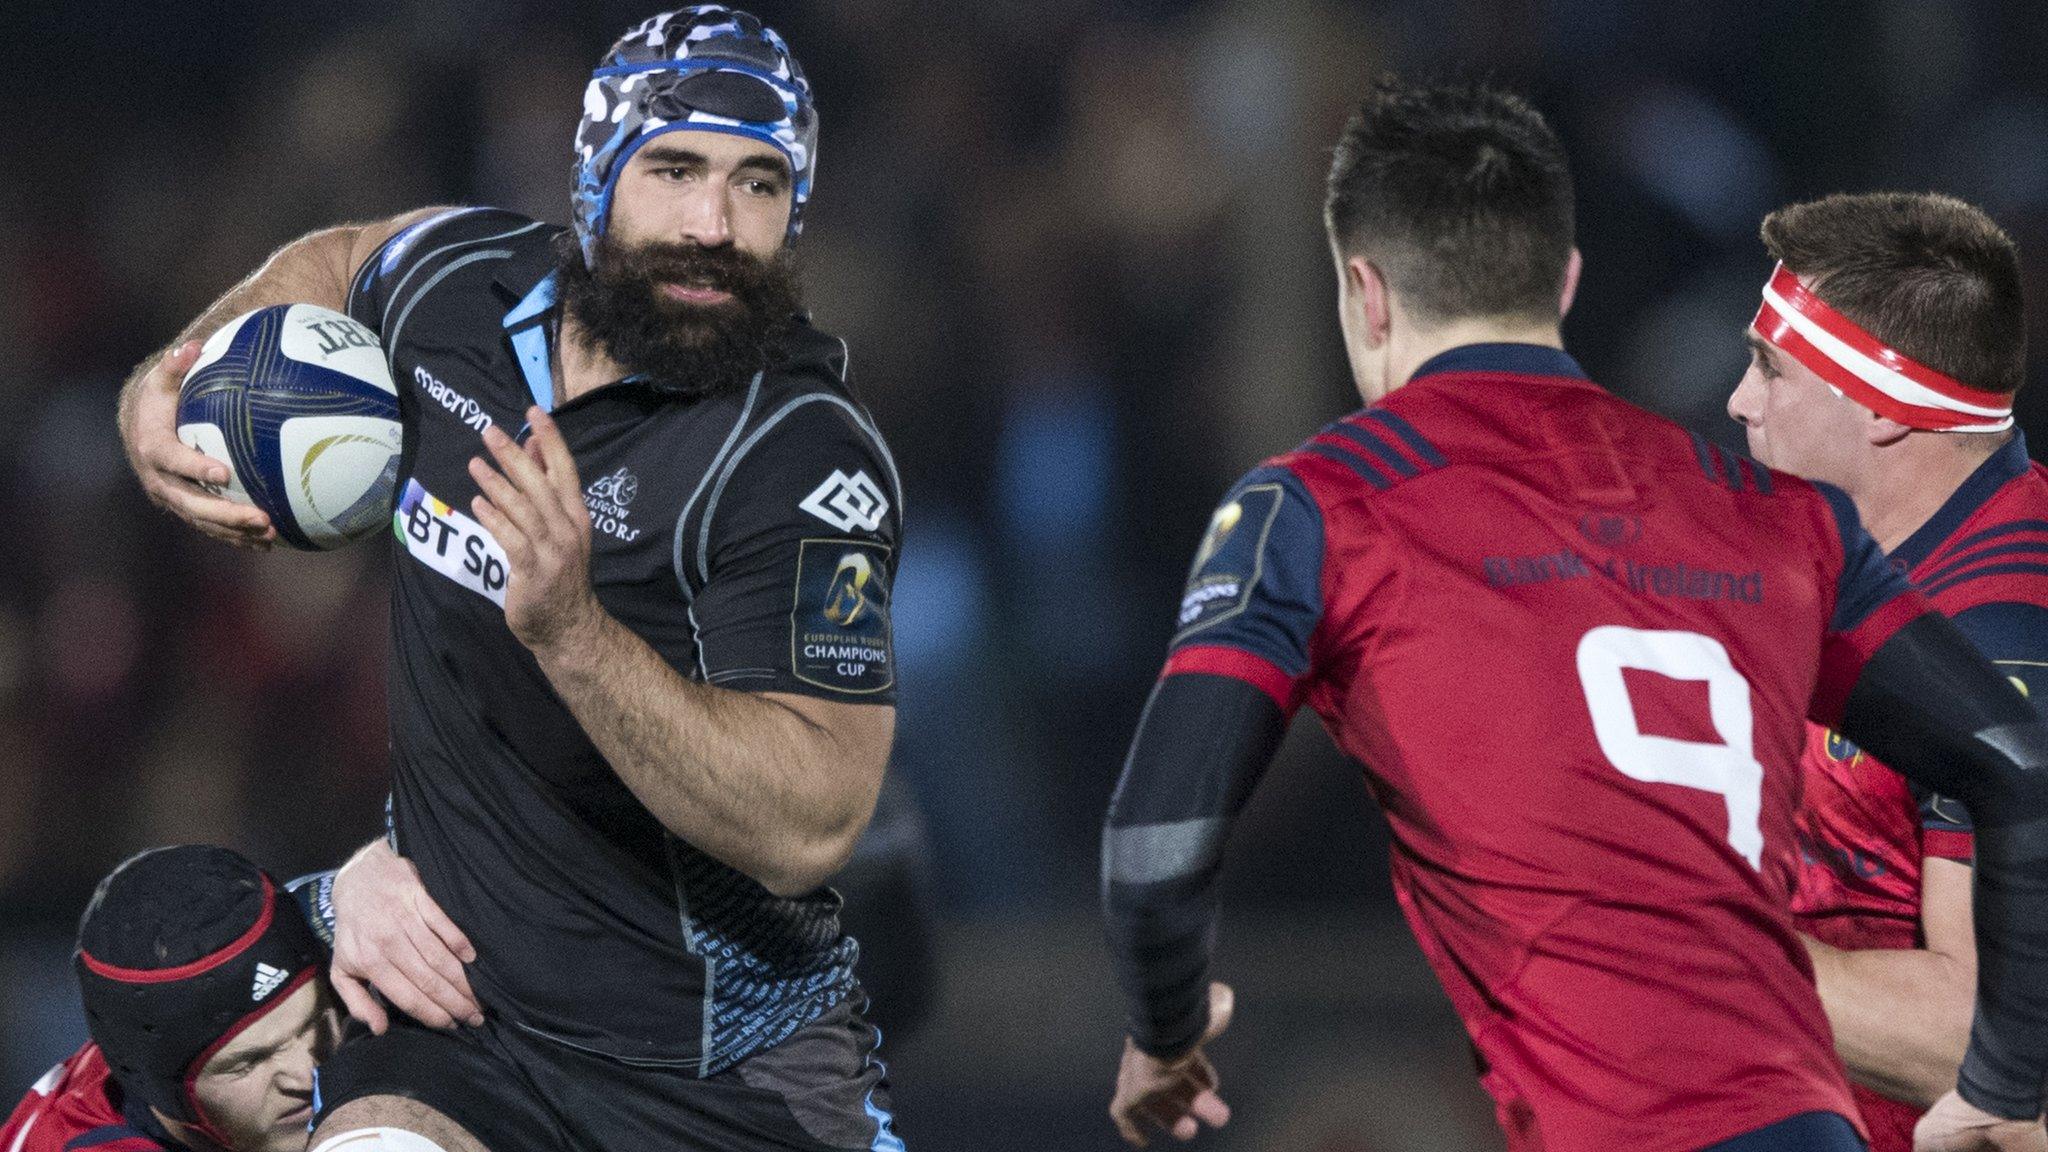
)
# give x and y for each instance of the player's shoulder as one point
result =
(1370, 451)
(804, 399)
(70, 1110)
(485, 261)
(801, 448)
(1999, 553)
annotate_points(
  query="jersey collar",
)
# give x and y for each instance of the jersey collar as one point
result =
(2002, 467)
(527, 322)
(1502, 360)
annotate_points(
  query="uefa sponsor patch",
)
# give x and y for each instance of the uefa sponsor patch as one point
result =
(1227, 566)
(839, 628)
(451, 543)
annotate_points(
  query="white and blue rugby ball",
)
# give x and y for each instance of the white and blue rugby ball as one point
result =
(298, 400)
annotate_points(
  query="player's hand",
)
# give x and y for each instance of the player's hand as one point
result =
(388, 933)
(173, 473)
(1177, 1096)
(1956, 1125)
(532, 503)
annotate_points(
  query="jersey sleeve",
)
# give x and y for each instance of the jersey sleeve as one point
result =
(314, 894)
(793, 558)
(2014, 637)
(407, 266)
(1872, 602)
(1254, 593)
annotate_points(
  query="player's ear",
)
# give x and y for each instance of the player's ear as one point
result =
(1572, 268)
(1369, 288)
(1881, 431)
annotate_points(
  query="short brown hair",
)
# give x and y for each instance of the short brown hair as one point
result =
(1929, 275)
(1460, 195)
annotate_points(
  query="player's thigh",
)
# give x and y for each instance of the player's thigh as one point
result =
(391, 1124)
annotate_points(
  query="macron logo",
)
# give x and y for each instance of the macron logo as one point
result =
(847, 502)
(268, 980)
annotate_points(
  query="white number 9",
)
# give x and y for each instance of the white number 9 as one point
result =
(1729, 768)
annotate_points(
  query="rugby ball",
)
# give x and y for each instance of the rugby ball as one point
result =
(298, 401)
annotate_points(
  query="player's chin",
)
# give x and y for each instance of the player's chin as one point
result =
(1760, 448)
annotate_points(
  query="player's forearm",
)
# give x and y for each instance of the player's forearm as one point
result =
(313, 269)
(744, 778)
(1901, 1017)
(1929, 705)
(1200, 749)
(317, 268)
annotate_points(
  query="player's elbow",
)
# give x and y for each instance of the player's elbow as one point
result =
(804, 866)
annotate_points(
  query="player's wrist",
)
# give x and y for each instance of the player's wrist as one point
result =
(575, 642)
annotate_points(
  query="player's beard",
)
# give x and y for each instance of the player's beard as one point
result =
(689, 349)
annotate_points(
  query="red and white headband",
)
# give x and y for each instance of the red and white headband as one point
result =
(1863, 368)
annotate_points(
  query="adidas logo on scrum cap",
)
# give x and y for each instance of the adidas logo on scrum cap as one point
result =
(267, 981)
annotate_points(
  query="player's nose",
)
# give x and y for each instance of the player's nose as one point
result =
(709, 221)
(1744, 403)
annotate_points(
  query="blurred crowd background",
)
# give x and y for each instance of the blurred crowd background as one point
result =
(1076, 248)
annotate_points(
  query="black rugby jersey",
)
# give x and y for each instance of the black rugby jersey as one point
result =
(748, 537)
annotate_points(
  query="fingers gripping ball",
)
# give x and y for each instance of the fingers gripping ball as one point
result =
(298, 401)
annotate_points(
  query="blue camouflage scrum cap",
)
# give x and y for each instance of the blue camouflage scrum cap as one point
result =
(706, 68)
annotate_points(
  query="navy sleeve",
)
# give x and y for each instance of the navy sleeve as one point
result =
(793, 559)
(1254, 593)
(411, 263)
(2014, 637)
(1240, 650)
(1868, 579)
(1873, 601)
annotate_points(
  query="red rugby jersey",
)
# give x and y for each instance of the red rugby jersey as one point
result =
(1862, 830)
(1575, 648)
(71, 1110)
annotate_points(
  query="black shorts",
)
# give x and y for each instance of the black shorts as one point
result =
(821, 1090)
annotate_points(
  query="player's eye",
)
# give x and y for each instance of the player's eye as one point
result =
(1763, 364)
(760, 186)
(672, 174)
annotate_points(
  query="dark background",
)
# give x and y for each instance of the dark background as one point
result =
(1076, 250)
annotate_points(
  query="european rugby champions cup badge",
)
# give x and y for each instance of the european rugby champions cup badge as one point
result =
(1227, 565)
(839, 629)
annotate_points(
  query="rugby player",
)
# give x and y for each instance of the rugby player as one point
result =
(642, 678)
(1884, 361)
(1572, 645)
(207, 1010)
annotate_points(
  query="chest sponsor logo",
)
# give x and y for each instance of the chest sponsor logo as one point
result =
(1228, 564)
(839, 628)
(459, 406)
(451, 543)
(607, 497)
(848, 503)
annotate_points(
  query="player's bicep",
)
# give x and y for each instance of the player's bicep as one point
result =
(793, 561)
(1254, 595)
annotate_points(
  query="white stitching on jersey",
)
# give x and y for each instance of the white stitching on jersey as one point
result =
(422, 262)
(689, 596)
(391, 335)
(704, 532)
